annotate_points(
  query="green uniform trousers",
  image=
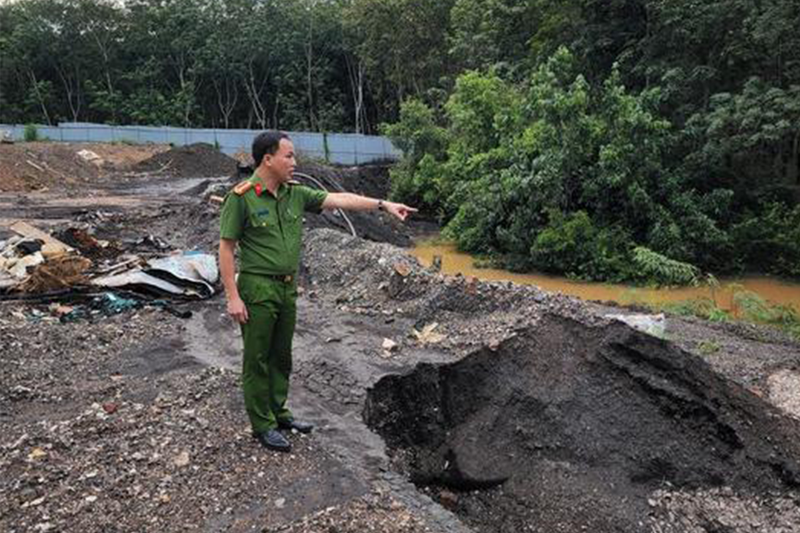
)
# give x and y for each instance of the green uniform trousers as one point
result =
(267, 363)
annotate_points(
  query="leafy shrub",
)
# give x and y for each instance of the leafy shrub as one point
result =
(31, 133)
(572, 244)
(770, 241)
(422, 143)
(556, 174)
(662, 269)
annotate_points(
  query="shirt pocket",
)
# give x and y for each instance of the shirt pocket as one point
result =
(260, 220)
(294, 219)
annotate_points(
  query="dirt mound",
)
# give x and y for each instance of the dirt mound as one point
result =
(198, 160)
(38, 166)
(569, 428)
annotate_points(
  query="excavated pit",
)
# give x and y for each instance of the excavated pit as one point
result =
(566, 427)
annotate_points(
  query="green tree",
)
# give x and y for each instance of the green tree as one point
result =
(422, 141)
(402, 44)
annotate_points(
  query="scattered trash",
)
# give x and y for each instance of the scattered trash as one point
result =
(87, 244)
(655, 325)
(37, 453)
(113, 304)
(403, 269)
(389, 345)
(58, 273)
(29, 247)
(151, 241)
(140, 281)
(106, 304)
(18, 267)
(61, 310)
(182, 459)
(26, 230)
(427, 335)
(191, 267)
(36, 264)
(90, 157)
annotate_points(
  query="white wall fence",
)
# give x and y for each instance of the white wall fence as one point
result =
(339, 148)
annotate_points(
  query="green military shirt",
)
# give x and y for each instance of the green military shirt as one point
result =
(269, 229)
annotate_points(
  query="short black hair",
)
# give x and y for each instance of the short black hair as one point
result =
(266, 143)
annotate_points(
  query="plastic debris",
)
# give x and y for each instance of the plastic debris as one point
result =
(193, 267)
(56, 274)
(36, 266)
(655, 325)
(428, 335)
(89, 156)
(141, 281)
(104, 305)
(26, 230)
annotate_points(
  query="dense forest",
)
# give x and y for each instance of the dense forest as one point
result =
(606, 139)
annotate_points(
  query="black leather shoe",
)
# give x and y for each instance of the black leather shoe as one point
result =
(302, 427)
(274, 440)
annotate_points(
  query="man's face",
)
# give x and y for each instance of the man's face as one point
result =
(282, 163)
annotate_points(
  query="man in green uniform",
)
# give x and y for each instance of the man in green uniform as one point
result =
(264, 215)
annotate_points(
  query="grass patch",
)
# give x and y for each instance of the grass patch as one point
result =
(708, 347)
(747, 307)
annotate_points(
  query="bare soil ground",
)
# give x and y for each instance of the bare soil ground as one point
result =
(494, 407)
(40, 166)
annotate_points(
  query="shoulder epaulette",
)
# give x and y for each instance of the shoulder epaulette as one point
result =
(242, 187)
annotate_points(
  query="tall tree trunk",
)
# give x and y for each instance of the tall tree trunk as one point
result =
(254, 95)
(39, 96)
(73, 93)
(187, 89)
(356, 76)
(275, 111)
(793, 173)
(309, 49)
(227, 96)
(107, 72)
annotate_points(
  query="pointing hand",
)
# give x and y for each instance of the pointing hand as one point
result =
(401, 211)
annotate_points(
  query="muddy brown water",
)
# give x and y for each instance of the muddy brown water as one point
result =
(773, 290)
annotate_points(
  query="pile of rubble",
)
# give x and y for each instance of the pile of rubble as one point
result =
(76, 266)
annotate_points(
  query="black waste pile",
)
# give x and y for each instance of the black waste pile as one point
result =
(192, 161)
(567, 427)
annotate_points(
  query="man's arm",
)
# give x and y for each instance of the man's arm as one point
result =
(227, 271)
(354, 202)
